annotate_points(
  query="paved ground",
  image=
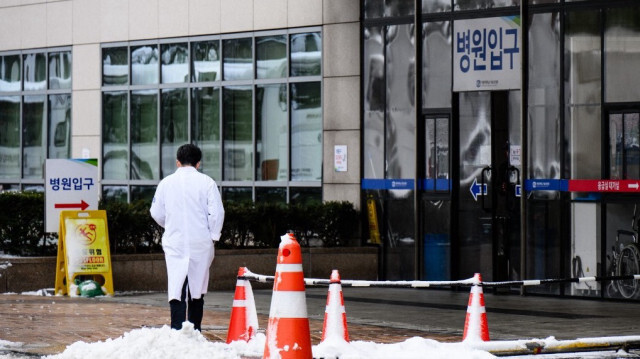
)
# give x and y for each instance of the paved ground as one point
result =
(46, 325)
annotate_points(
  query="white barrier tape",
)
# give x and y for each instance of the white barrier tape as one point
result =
(530, 282)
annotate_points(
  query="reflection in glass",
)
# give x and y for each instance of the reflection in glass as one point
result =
(115, 66)
(483, 4)
(401, 246)
(437, 153)
(174, 131)
(272, 131)
(175, 63)
(306, 54)
(9, 137)
(436, 71)
(205, 128)
(583, 89)
(59, 126)
(631, 146)
(544, 94)
(238, 139)
(400, 106)
(142, 193)
(237, 194)
(35, 71)
(10, 73)
(238, 59)
(115, 194)
(622, 53)
(144, 65)
(305, 195)
(374, 102)
(144, 135)
(115, 135)
(60, 70)
(389, 8)
(430, 6)
(271, 57)
(206, 61)
(271, 194)
(34, 136)
(306, 132)
(9, 187)
(616, 135)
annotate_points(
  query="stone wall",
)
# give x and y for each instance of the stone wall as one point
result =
(148, 272)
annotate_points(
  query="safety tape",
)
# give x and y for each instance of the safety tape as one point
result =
(455, 283)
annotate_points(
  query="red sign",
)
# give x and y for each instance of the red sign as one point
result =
(604, 185)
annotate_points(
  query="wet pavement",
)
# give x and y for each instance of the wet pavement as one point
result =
(42, 325)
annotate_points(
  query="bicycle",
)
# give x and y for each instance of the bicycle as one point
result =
(625, 261)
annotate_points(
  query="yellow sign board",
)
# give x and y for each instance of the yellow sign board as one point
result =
(374, 232)
(83, 250)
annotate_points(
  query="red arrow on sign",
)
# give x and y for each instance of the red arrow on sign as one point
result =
(82, 205)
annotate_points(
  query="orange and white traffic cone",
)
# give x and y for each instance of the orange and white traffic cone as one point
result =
(476, 327)
(288, 335)
(335, 316)
(244, 318)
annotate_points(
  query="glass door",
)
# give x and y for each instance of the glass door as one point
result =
(488, 206)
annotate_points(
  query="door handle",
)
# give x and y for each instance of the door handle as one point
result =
(484, 189)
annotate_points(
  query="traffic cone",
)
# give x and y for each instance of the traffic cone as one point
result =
(288, 335)
(335, 317)
(244, 318)
(476, 327)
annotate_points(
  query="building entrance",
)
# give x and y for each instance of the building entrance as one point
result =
(488, 205)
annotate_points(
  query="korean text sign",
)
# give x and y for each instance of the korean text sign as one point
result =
(486, 54)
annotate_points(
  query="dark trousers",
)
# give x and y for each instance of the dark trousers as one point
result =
(186, 308)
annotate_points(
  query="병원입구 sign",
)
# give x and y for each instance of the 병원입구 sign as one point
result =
(70, 184)
(486, 54)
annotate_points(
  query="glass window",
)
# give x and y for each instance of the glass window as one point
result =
(115, 66)
(144, 65)
(60, 70)
(206, 61)
(9, 137)
(238, 59)
(142, 193)
(115, 135)
(622, 53)
(400, 139)
(306, 54)
(237, 194)
(374, 102)
(175, 63)
(437, 154)
(430, 6)
(272, 131)
(544, 95)
(59, 126)
(271, 194)
(34, 136)
(389, 8)
(305, 195)
(174, 132)
(436, 72)
(306, 132)
(10, 73)
(144, 134)
(238, 137)
(271, 57)
(483, 4)
(624, 144)
(583, 91)
(205, 128)
(115, 193)
(35, 71)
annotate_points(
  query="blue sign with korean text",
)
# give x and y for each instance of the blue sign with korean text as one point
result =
(486, 54)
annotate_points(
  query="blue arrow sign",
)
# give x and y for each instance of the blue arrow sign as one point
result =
(477, 189)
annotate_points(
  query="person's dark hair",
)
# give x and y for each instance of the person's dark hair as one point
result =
(189, 155)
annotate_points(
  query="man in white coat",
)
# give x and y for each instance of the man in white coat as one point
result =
(188, 206)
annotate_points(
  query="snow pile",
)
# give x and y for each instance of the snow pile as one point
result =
(189, 343)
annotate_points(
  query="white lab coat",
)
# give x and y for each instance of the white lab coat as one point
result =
(187, 204)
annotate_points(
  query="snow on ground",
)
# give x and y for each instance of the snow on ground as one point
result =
(166, 343)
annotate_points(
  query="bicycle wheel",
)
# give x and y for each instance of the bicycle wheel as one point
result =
(628, 264)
